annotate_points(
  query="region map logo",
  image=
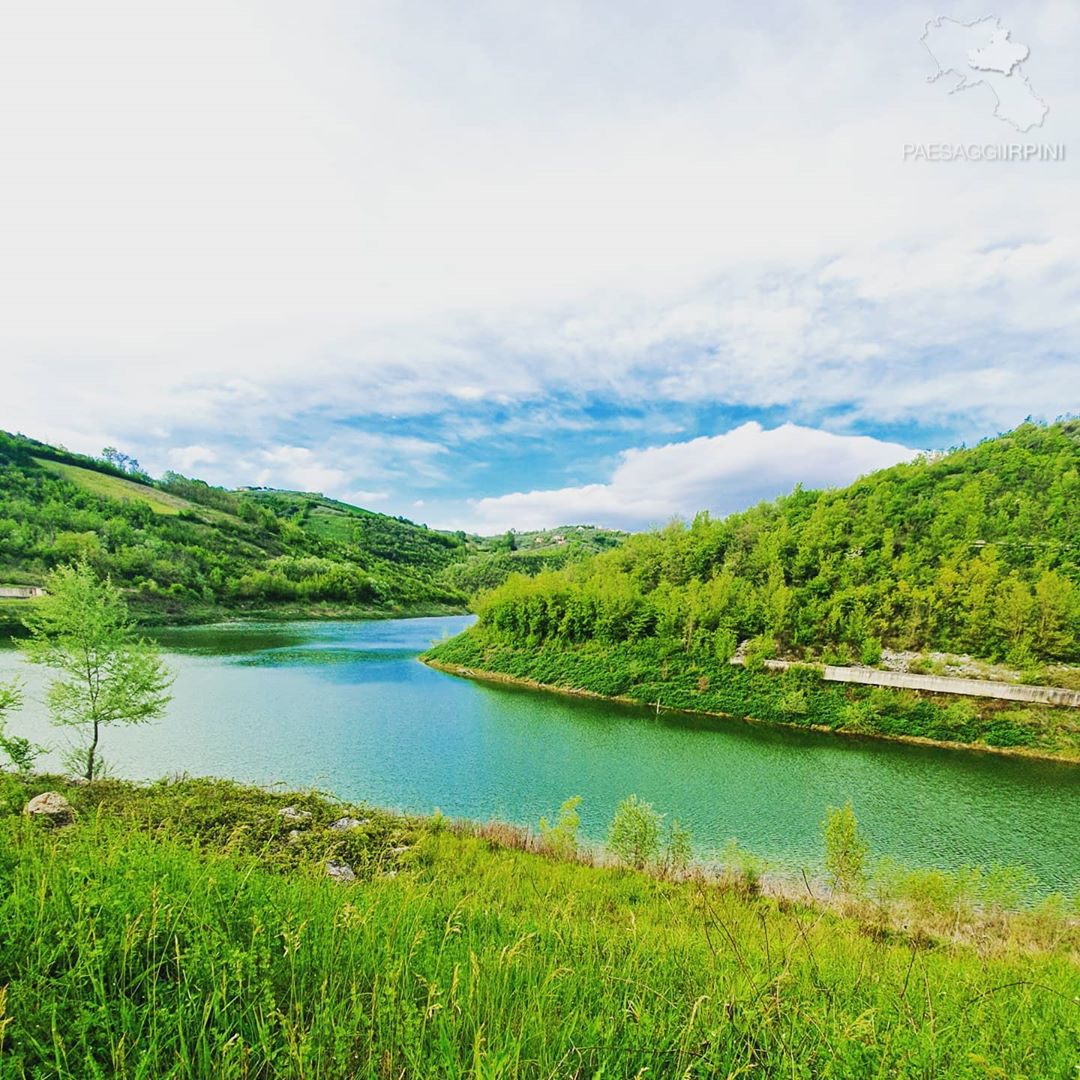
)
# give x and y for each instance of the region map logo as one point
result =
(970, 55)
(980, 54)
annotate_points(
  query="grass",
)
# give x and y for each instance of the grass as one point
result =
(115, 487)
(178, 930)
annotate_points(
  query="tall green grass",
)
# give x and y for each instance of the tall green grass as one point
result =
(170, 933)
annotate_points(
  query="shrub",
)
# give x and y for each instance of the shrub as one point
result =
(677, 847)
(845, 849)
(746, 867)
(793, 703)
(724, 644)
(635, 832)
(758, 650)
(562, 836)
(870, 652)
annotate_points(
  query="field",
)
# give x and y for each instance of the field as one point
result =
(115, 487)
(180, 930)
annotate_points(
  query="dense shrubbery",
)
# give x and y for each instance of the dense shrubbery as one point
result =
(976, 552)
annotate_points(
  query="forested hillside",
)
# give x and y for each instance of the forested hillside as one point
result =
(186, 549)
(977, 551)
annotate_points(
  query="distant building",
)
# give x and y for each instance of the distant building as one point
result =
(20, 592)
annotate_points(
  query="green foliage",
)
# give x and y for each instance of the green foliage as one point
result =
(561, 837)
(845, 849)
(975, 552)
(178, 930)
(650, 670)
(107, 675)
(20, 752)
(678, 847)
(746, 867)
(635, 832)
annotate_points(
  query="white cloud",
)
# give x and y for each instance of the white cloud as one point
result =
(186, 458)
(718, 473)
(297, 467)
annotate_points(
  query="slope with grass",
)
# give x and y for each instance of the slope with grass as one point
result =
(186, 550)
(189, 930)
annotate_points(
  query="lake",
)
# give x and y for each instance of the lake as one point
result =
(346, 707)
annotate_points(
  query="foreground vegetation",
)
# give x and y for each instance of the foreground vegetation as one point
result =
(190, 929)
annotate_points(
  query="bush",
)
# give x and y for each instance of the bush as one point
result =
(793, 703)
(758, 650)
(845, 849)
(635, 832)
(562, 836)
(678, 849)
(870, 652)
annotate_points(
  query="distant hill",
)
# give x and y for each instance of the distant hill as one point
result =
(187, 550)
(495, 558)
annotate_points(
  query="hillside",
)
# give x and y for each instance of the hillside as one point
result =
(496, 558)
(976, 552)
(188, 550)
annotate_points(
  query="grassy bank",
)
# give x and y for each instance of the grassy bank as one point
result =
(187, 929)
(651, 671)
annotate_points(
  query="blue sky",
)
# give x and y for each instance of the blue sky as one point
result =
(493, 265)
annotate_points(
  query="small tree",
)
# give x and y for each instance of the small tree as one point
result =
(678, 847)
(19, 751)
(845, 849)
(635, 832)
(562, 836)
(107, 675)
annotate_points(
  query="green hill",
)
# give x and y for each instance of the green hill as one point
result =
(976, 551)
(188, 550)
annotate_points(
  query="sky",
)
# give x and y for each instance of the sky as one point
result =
(500, 264)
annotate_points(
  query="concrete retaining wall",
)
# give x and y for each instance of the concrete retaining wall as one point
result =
(944, 684)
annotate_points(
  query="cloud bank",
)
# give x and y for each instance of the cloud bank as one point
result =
(719, 473)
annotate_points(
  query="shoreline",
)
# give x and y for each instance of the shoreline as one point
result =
(482, 675)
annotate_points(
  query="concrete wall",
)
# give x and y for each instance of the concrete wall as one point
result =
(944, 684)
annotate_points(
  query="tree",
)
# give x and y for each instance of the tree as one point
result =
(562, 836)
(20, 752)
(845, 849)
(107, 675)
(635, 832)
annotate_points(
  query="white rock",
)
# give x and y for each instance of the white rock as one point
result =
(52, 807)
(290, 813)
(346, 823)
(340, 872)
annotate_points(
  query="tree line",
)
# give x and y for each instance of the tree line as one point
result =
(977, 552)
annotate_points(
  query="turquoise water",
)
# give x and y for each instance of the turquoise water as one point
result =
(346, 707)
